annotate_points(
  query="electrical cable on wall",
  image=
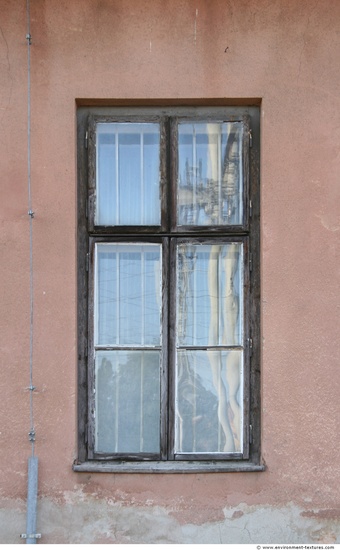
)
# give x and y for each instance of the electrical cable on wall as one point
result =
(31, 535)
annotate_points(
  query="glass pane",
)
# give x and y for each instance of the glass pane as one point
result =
(128, 168)
(210, 173)
(127, 401)
(210, 294)
(128, 294)
(209, 401)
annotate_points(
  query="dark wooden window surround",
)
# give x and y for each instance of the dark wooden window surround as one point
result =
(190, 405)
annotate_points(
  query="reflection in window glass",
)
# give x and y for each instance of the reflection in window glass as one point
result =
(210, 294)
(209, 401)
(209, 382)
(127, 401)
(210, 174)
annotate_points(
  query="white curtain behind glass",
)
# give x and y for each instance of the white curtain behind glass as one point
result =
(128, 174)
(127, 315)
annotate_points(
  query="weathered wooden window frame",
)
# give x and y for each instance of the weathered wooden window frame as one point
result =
(168, 233)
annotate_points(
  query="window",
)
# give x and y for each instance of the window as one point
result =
(168, 289)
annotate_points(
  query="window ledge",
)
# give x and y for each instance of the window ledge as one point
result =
(174, 467)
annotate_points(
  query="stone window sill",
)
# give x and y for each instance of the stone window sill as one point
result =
(174, 467)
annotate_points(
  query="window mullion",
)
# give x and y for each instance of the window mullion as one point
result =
(141, 435)
(118, 301)
(194, 176)
(143, 297)
(219, 172)
(117, 176)
(142, 205)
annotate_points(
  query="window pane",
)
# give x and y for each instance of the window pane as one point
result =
(210, 294)
(128, 294)
(127, 401)
(209, 401)
(210, 173)
(128, 168)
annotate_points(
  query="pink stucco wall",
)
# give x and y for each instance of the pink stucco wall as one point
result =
(282, 52)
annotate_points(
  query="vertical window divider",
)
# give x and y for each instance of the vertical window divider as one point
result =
(141, 430)
(219, 291)
(95, 290)
(194, 175)
(143, 296)
(117, 176)
(142, 176)
(97, 191)
(118, 301)
(220, 425)
(219, 171)
(194, 294)
(117, 416)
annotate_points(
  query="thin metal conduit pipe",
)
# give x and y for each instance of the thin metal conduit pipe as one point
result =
(31, 534)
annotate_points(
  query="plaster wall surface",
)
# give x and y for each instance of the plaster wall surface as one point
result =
(282, 53)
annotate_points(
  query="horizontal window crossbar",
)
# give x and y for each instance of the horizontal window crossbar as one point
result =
(209, 348)
(127, 348)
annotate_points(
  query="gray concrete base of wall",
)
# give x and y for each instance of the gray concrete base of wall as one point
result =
(94, 521)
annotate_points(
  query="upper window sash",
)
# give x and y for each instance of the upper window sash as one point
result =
(210, 164)
(130, 180)
(127, 172)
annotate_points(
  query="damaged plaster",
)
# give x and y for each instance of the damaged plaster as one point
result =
(97, 521)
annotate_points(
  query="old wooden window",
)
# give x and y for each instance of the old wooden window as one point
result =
(168, 289)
